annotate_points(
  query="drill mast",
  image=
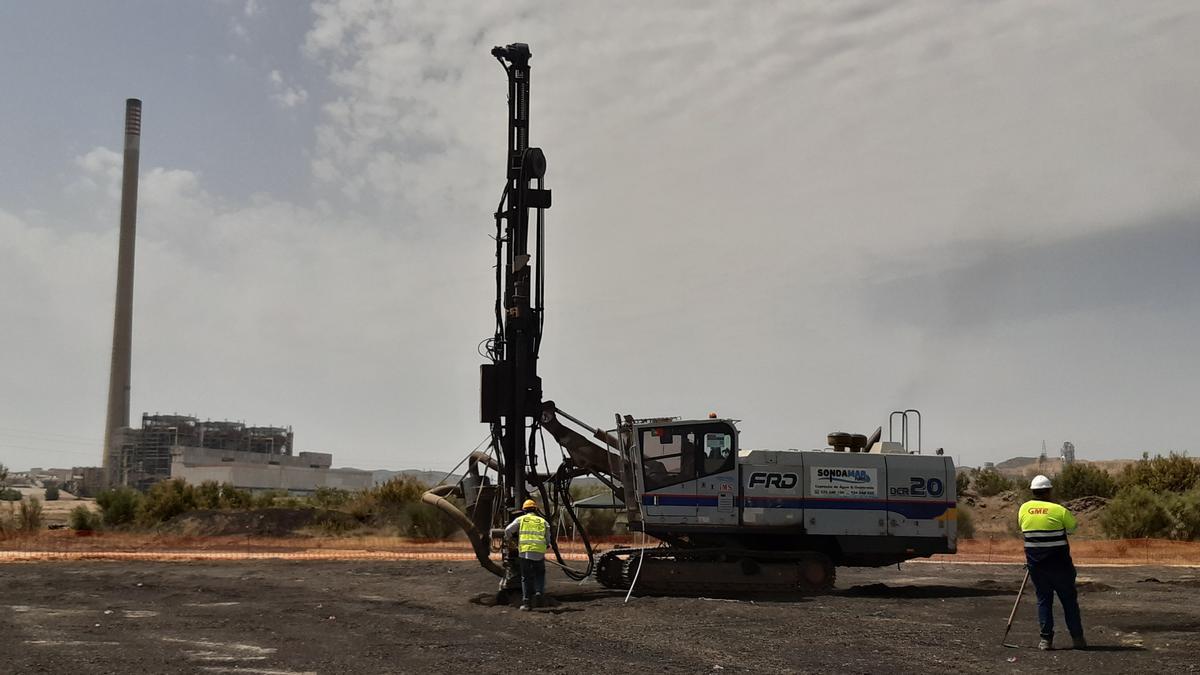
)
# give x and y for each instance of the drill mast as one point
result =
(511, 400)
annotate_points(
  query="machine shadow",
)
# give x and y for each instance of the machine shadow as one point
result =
(920, 592)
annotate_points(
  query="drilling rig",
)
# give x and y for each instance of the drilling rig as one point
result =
(726, 519)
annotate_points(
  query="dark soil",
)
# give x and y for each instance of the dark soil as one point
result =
(353, 617)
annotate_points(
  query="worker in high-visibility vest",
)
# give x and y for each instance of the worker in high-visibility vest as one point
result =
(1044, 526)
(532, 533)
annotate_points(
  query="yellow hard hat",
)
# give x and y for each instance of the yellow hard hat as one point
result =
(529, 504)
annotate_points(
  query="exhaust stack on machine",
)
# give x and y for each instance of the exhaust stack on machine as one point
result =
(119, 373)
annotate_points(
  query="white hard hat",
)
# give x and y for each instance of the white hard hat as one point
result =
(1040, 482)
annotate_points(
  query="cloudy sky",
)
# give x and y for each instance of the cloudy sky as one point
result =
(803, 215)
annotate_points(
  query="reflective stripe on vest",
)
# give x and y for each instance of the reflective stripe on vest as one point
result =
(533, 534)
(1045, 538)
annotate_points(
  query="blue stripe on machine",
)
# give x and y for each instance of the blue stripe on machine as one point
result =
(914, 510)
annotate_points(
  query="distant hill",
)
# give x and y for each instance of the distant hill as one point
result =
(1019, 467)
(1019, 462)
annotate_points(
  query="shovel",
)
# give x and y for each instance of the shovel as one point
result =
(1004, 640)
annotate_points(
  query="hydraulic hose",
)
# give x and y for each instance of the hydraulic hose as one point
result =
(572, 574)
(436, 497)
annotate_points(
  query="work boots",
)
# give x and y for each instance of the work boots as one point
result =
(1045, 644)
(537, 601)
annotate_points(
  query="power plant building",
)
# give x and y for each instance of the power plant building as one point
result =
(259, 472)
(257, 458)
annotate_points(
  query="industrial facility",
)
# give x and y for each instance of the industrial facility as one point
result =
(256, 458)
(143, 456)
(180, 446)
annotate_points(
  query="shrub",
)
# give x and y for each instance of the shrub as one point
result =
(595, 522)
(29, 517)
(82, 518)
(1135, 513)
(1084, 480)
(1185, 515)
(329, 498)
(962, 482)
(397, 503)
(990, 482)
(1173, 473)
(51, 492)
(10, 495)
(165, 500)
(118, 506)
(966, 524)
(266, 500)
(213, 495)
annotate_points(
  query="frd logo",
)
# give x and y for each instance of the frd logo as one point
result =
(783, 481)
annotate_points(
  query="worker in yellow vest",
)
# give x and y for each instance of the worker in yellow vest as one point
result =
(532, 533)
(1045, 525)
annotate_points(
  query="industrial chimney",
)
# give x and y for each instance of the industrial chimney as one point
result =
(118, 376)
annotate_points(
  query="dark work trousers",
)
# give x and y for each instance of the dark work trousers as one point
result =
(533, 578)
(1050, 577)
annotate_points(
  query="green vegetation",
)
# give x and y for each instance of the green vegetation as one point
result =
(394, 506)
(1134, 513)
(29, 516)
(397, 505)
(330, 498)
(83, 519)
(966, 524)
(51, 490)
(119, 506)
(595, 522)
(1083, 480)
(165, 500)
(1174, 473)
(962, 482)
(9, 495)
(213, 495)
(1157, 497)
(990, 482)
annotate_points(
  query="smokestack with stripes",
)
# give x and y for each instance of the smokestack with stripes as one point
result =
(119, 373)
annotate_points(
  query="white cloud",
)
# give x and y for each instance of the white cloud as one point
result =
(284, 94)
(737, 192)
(765, 161)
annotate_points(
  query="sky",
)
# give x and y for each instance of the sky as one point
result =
(802, 215)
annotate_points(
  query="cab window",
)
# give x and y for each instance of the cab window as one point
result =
(668, 456)
(675, 454)
(718, 452)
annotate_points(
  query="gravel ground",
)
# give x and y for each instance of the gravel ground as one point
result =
(280, 617)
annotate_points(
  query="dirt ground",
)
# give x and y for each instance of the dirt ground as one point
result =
(286, 617)
(57, 511)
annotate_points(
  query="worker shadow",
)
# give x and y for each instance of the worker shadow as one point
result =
(555, 602)
(920, 592)
(1111, 648)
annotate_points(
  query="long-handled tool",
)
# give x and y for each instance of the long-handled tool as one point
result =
(1004, 640)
